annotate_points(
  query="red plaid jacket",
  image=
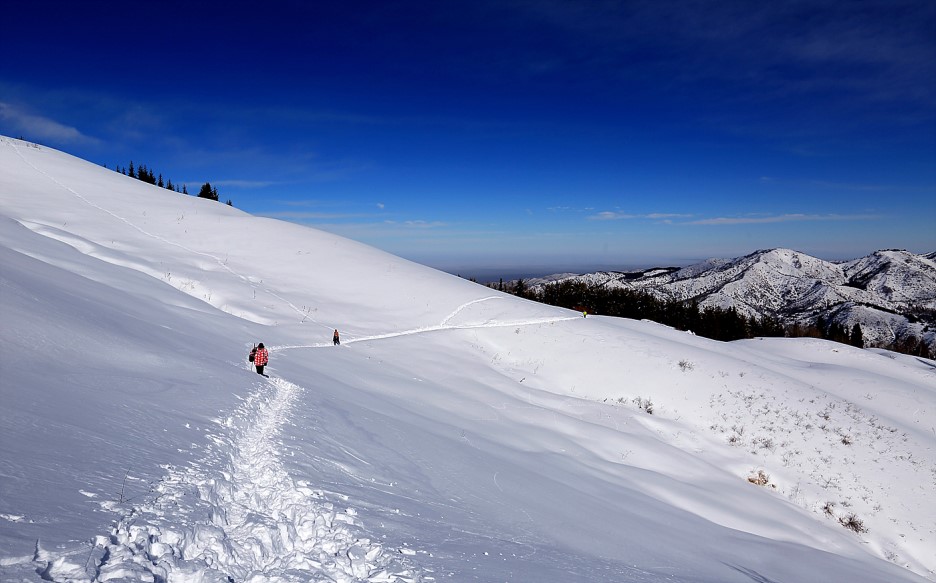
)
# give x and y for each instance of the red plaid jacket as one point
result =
(262, 357)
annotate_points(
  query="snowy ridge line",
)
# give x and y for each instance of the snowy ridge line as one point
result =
(129, 223)
(251, 523)
(426, 329)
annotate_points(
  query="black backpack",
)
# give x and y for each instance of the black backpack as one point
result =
(253, 353)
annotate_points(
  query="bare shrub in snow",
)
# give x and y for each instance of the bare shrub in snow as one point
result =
(736, 438)
(685, 365)
(766, 443)
(644, 404)
(852, 522)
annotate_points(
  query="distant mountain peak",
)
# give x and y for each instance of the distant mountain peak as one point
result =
(878, 292)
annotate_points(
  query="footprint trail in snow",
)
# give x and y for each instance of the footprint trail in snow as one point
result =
(251, 521)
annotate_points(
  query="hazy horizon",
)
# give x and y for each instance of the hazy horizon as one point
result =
(509, 272)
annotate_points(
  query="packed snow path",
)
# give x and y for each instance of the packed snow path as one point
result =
(443, 325)
(250, 522)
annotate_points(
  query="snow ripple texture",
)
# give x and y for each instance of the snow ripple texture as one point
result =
(252, 523)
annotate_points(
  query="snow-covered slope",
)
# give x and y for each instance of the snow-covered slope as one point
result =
(457, 434)
(875, 292)
(900, 278)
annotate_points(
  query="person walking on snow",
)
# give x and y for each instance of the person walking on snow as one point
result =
(261, 358)
(335, 338)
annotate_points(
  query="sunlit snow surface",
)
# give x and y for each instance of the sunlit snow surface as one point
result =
(457, 434)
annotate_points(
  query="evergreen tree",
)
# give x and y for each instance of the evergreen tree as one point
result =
(131, 172)
(520, 288)
(766, 326)
(837, 333)
(208, 192)
(184, 189)
(857, 338)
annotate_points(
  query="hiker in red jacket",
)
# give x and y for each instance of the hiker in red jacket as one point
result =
(261, 358)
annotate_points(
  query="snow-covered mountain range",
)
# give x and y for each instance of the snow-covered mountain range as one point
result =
(456, 434)
(877, 292)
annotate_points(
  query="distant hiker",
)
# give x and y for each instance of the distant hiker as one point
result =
(335, 338)
(584, 314)
(261, 358)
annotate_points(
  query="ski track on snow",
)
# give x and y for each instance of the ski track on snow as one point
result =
(216, 259)
(465, 305)
(251, 522)
(441, 326)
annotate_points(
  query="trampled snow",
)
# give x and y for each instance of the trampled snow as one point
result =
(457, 434)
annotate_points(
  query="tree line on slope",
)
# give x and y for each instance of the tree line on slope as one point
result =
(148, 176)
(711, 322)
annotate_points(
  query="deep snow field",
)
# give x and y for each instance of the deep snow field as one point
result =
(457, 434)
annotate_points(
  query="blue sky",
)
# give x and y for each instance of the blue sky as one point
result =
(508, 135)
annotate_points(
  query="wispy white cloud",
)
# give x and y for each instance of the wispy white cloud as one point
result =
(246, 183)
(309, 203)
(374, 219)
(418, 224)
(852, 186)
(617, 216)
(831, 185)
(751, 219)
(611, 216)
(787, 218)
(314, 216)
(40, 128)
(667, 216)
